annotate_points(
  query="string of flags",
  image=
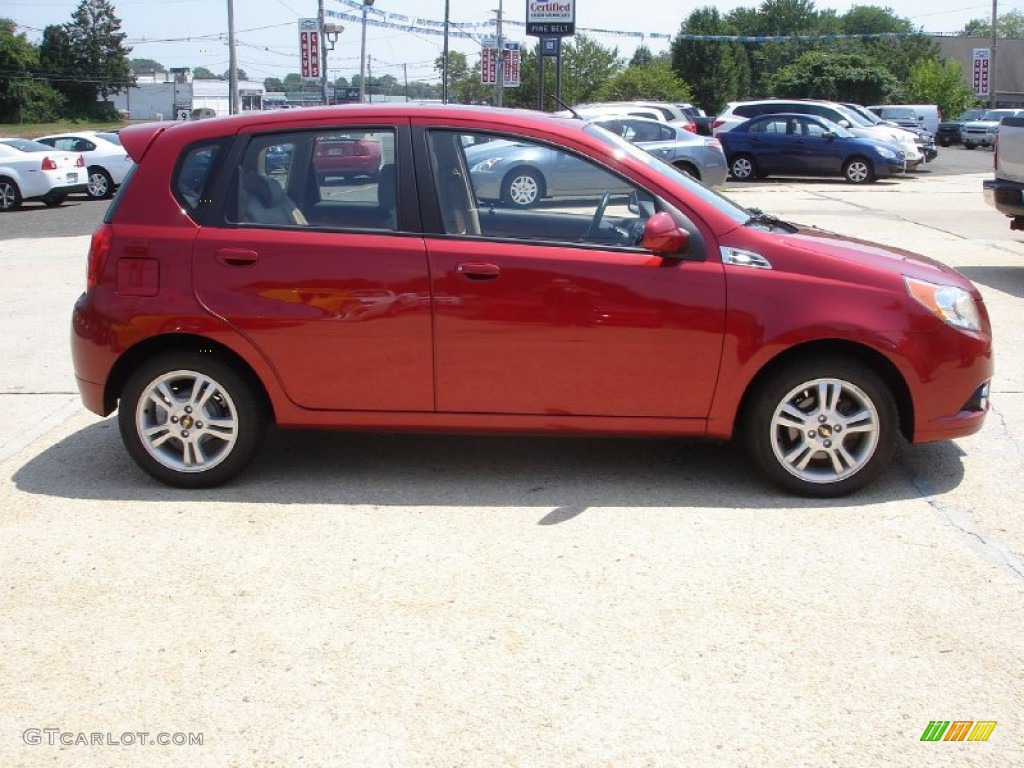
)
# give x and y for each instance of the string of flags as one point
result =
(474, 29)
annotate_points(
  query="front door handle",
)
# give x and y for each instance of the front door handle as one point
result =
(478, 270)
(236, 257)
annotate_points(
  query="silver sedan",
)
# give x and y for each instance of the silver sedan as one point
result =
(699, 156)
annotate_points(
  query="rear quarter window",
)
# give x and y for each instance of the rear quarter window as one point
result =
(194, 174)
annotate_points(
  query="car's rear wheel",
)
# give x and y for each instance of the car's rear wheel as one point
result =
(858, 170)
(822, 428)
(743, 168)
(689, 169)
(523, 188)
(191, 420)
(10, 195)
(100, 186)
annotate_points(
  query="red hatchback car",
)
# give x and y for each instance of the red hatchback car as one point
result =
(226, 292)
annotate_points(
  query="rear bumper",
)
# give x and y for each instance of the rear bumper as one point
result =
(1007, 197)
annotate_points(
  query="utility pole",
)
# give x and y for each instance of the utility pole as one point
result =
(500, 57)
(992, 63)
(362, 55)
(323, 53)
(444, 60)
(233, 105)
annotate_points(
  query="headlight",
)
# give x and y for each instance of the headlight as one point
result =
(486, 165)
(888, 154)
(950, 304)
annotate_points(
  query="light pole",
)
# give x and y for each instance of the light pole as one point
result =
(362, 55)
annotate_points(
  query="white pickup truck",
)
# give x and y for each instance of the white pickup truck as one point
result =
(1005, 192)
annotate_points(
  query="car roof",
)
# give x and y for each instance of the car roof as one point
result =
(138, 138)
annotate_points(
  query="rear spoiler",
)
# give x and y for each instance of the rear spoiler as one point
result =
(137, 139)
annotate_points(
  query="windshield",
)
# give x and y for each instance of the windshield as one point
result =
(854, 118)
(998, 114)
(27, 146)
(690, 187)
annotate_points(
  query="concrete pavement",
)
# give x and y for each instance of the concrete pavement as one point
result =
(380, 600)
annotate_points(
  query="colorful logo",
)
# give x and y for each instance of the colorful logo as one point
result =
(958, 730)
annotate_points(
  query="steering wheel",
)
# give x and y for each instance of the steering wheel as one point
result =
(595, 224)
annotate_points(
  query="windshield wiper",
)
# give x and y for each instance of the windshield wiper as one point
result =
(760, 218)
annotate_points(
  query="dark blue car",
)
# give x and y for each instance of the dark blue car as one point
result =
(806, 145)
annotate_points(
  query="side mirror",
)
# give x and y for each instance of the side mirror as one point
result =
(844, 123)
(828, 135)
(663, 237)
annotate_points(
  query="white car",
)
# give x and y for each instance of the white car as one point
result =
(106, 159)
(33, 171)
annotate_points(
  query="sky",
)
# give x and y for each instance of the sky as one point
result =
(193, 33)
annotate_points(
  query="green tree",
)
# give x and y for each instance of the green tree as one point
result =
(146, 65)
(941, 83)
(58, 64)
(642, 57)
(1009, 24)
(716, 70)
(242, 75)
(654, 82)
(834, 77)
(24, 96)
(202, 73)
(97, 44)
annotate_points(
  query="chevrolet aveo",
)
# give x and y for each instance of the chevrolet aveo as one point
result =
(227, 290)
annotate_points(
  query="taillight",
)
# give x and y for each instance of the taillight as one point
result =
(48, 164)
(691, 127)
(99, 247)
(80, 162)
(995, 154)
(717, 124)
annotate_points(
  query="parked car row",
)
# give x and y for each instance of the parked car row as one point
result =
(52, 167)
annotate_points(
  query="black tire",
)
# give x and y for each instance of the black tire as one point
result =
(522, 188)
(817, 454)
(970, 146)
(55, 202)
(689, 169)
(10, 195)
(101, 186)
(859, 170)
(743, 167)
(184, 429)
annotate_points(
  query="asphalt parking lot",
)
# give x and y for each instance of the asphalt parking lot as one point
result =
(489, 601)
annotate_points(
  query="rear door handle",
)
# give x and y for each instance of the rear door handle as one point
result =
(478, 270)
(236, 257)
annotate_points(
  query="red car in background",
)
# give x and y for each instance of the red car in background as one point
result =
(345, 157)
(222, 296)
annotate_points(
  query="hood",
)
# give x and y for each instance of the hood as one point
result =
(851, 256)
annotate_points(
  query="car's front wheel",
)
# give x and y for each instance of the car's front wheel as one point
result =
(858, 171)
(191, 420)
(523, 188)
(822, 428)
(100, 186)
(743, 168)
(10, 195)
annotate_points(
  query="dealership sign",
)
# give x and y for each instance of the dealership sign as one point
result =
(551, 17)
(511, 61)
(981, 71)
(309, 48)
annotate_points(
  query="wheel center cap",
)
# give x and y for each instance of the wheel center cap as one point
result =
(825, 431)
(186, 422)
